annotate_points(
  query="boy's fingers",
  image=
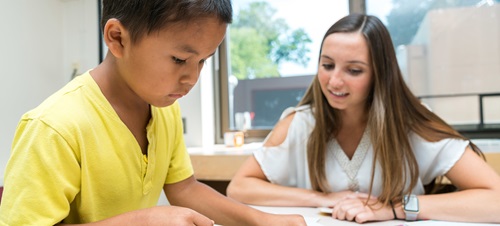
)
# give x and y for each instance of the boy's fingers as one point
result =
(201, 220)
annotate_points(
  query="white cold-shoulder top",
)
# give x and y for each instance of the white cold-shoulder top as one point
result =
(286, 164)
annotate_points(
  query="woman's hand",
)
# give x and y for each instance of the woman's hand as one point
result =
(359, 207)
(331, 199)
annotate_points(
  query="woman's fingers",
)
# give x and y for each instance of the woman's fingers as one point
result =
(355, 207)
(347, 209)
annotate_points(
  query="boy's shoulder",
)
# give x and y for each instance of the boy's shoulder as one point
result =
(67, 102)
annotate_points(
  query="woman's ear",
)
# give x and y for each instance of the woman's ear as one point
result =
(116, 37)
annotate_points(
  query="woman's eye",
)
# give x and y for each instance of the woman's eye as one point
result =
(327, 66)
(178, 61)
(355, 71)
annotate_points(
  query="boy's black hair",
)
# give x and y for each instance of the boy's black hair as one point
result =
(142, 17)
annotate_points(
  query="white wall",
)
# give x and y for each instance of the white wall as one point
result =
(198, 109)
(457, 50)
(40, 42)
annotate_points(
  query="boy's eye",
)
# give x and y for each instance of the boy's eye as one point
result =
(178, 61)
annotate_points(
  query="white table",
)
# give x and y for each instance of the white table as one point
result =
(324, 219)
(327, 220)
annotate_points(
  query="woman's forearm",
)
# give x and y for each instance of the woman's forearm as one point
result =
(473, 205)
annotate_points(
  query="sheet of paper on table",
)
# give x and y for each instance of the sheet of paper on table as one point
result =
(443, 223)
(310, 221)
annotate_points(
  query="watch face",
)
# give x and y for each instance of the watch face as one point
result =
(411, 203)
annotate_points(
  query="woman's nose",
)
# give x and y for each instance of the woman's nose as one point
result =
(336, 79)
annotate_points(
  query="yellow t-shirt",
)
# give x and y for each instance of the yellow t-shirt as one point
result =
(73, 160)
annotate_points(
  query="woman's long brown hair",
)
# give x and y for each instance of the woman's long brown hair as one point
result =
(393, 112)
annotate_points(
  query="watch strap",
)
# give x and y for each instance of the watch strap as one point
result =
(411, 216)
(411, 207)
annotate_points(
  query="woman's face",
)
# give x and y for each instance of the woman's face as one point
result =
(345, 72)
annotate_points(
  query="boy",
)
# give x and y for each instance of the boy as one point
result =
(101, 149)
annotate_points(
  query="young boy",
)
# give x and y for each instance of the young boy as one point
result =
(101, 149)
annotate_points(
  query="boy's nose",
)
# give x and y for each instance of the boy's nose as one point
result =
(190, 77)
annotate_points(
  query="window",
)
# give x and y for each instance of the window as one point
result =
(269, 58)
(448, 52)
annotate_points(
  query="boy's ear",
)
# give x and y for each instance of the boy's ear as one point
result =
(116, 37)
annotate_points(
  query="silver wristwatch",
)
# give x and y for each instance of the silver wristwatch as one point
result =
(410, 206)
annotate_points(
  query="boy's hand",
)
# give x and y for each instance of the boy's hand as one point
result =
(175, 216)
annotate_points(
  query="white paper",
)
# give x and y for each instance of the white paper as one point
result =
(312, 221)
(443, 223)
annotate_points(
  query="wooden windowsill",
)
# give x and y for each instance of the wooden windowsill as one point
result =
(218, 162)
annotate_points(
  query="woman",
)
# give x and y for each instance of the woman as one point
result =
(360, 142)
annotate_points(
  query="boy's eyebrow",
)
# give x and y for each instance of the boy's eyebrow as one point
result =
(189, 49)
(211, 55)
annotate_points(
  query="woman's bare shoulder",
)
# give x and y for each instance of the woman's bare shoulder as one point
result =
(280, 131)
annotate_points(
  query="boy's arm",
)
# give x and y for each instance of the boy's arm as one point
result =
(158, 216)
(195, 195)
